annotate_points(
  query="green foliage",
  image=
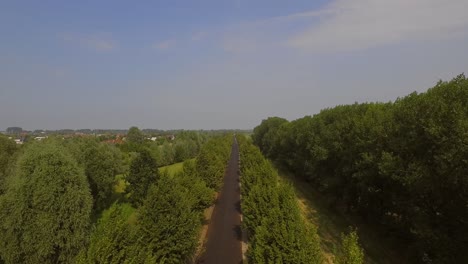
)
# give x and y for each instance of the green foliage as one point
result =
(212, 160)
(186, 145)
(135, 136)
(112, 236)
(266, 132)
(350, 252)
(101, 163)
(7, 149)
(400, 166)
(172, 169)
(143, 173)
(271, 215)
(45, 213)
(168, 224)
(164, 229)
(201, 195)
(135, 140)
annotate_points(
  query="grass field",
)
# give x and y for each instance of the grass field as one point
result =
(330, 225)
(173, 168)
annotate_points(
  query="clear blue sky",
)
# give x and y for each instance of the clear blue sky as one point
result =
(217, 64)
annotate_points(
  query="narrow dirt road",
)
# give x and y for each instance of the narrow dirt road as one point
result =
(224, 232)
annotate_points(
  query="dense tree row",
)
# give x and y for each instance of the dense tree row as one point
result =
(277, 231)
(58, 204)
(212, 160)
(402, 166)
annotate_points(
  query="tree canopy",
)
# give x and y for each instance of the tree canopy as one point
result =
(101, 163)
(143, 173)
(45, 213)
(7, 149)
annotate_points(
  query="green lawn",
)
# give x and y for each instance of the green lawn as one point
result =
(173, 168)
(330, 225)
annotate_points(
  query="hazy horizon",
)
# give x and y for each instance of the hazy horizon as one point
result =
(217, 64)
(141, 128)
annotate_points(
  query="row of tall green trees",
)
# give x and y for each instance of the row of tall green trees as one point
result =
(58, 205)
(400, 166)
(212, 160)
(271, 216)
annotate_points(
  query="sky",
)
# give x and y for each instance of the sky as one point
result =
(212, 64)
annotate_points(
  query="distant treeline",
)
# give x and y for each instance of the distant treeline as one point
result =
(401, 166)
(166, 151)
(146, 131)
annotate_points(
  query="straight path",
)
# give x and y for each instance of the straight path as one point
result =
(224, 232)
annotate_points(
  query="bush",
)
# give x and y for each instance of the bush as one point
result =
(350, 252)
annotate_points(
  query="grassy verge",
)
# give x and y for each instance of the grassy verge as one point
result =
(331, 224)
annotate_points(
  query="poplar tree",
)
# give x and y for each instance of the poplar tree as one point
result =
(143, 173)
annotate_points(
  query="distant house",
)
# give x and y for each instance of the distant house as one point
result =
(154, 138)
(18, 141)
(117, 140)
(39, 138)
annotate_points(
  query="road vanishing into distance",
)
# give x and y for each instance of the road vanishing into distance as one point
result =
(224, 231)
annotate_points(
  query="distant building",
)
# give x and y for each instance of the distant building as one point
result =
(18, 141)
(39, 138)
(118, 140)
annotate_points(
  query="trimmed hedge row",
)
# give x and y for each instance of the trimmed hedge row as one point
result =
(271, 216)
